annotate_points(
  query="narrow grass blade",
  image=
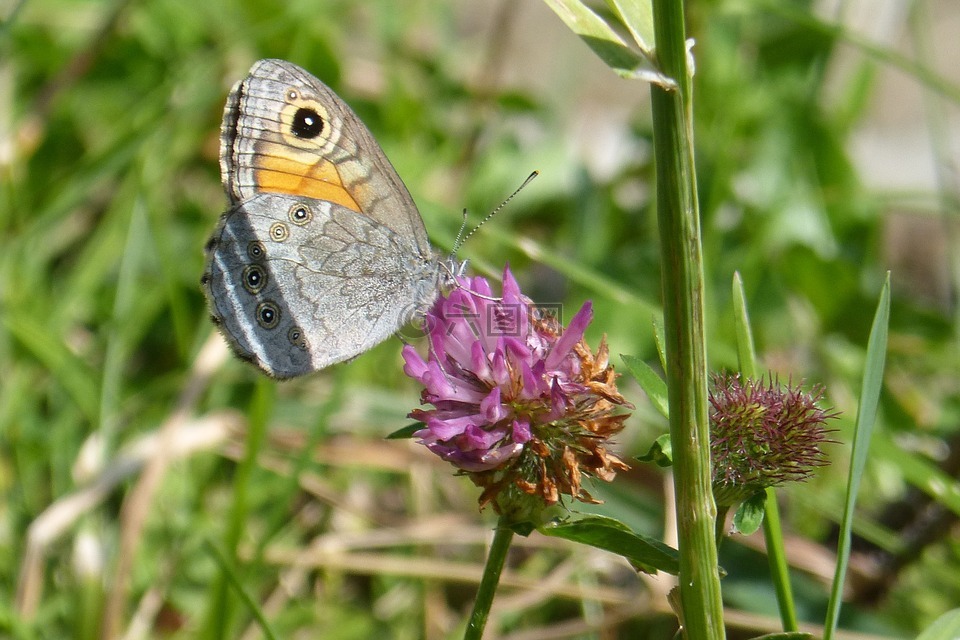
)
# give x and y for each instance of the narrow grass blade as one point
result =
(866, 418)
(746, 352)
(220, 605)
(651, 383)
(597, 34)
(919, 472)
(946, 627)
(229, 572)
(76, 377)
(607, 44)
(637, 16)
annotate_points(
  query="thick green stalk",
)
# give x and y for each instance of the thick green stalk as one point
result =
(502, 537)
(682, 276)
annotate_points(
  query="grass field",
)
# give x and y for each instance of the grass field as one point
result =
(826, 155)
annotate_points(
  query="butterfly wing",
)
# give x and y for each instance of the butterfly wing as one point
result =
(286, 132)
(297, 284)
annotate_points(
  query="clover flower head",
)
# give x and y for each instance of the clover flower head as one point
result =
(763, 434)
(520, 404)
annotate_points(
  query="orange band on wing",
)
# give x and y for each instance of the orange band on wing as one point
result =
(275, 174)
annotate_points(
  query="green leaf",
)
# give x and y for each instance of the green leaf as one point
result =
(946, 627)
(645, 554)
(746, 353)
(660, 339)
(608, 45)
(637, 17)
(660, 452)
(749, 515)
(406, 432)
(598, 35)
(866, 418)
(651, 383)
(786, 635)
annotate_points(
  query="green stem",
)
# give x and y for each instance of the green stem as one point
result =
(502, 537)
(682, 275)
(777, 557)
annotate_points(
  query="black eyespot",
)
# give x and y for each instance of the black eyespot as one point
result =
(307, 123)
(300, 214)
(268, 315)
(295, 335)
(204, 279)
(256, 251)
(254, 278)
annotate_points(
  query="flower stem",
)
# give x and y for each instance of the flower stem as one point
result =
(776, 554)
(502, 537)
(682, 275)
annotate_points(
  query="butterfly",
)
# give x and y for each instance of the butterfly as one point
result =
(322, 254)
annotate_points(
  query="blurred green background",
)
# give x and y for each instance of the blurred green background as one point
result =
(827, 153)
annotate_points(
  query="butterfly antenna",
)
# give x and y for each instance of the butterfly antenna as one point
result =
(463, 226)
(461, 240)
